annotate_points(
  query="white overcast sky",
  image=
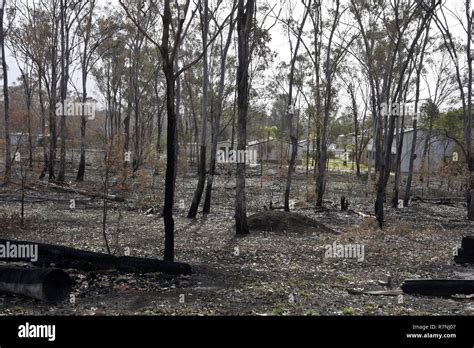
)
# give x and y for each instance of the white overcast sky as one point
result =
(279, 42)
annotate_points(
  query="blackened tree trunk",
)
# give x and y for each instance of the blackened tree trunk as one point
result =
(322, 148)
(43, 122)
(64, 82)
(205, 111)
(386, 161)
(291, 114)
(126, 144)
(170, 178)
(82, 162)
(356, 132)
(137, 57)
(468, 117)
(411, 165)
(244, 29)
(85, 59)
(168, 54)
(316, 18)
(30, 137)
(53, 96)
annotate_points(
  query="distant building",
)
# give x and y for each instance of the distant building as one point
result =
(273, 150)
(21, 139)
(439, 147)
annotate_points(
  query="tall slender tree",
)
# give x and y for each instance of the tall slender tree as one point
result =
(217, 112)
(245, 24)
(290, 111)
(205, 112)
(6, 101)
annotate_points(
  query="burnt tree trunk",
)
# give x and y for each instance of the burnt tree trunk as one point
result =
(291, 115)
(468, 123)
(171, 149)
(205, 113)
(53, 100)
(82, 161)
(244, 28)
(43, 123)
(322, 160)
(63, 87)
(465, 254)
(389, 134)
(411, 166)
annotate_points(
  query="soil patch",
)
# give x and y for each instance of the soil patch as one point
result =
(285, 222)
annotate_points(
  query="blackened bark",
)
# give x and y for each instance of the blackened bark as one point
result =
(45, 284)
(322, 148)
(291, 115)
(205, 112)
(411, 166)
(64, 82)
(468, 119)
(244, 27)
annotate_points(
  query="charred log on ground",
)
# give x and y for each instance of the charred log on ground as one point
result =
(438, 287)
(64, 257)
(45, 284)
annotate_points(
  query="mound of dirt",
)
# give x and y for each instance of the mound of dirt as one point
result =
(280, 221)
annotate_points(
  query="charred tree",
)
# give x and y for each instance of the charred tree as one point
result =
(244, 28)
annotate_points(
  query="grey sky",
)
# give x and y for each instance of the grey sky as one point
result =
(279, 42)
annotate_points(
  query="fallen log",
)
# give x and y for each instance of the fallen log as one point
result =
(440, 201)
(384, 292)
(438, 287)
(45, 284)
(375, 293)
(65, 257)
(82, 192)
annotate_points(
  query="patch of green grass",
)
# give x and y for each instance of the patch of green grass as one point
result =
(348, 311)
(369, 307)
(407, 275)
(302, 294)
(278, 311)
(339, 163)
(312, 313)
(147, 311)
(19, 309)
(343, 277)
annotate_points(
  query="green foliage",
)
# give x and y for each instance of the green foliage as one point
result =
(342, 125)
(451, 122)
